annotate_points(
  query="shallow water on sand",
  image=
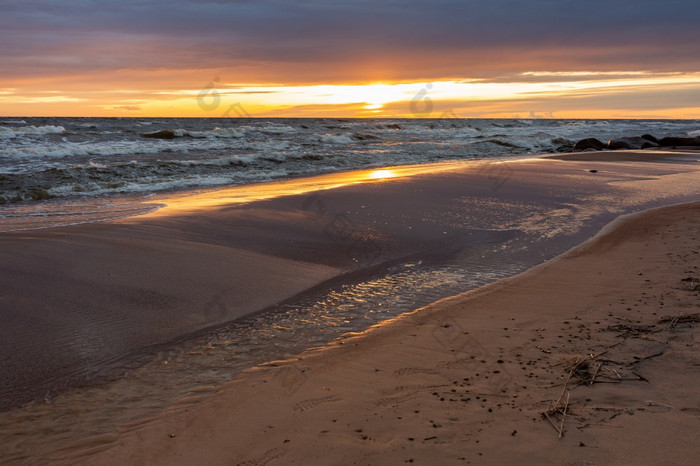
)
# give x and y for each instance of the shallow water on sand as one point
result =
(514, 235)
(197, 367)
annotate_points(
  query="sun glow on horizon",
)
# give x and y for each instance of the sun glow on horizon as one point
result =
(528, 93)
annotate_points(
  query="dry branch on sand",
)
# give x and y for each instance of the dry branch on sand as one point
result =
(596, 368)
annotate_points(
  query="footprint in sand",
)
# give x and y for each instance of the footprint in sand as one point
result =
(308, 404)
(414, 370)
(403, 393)
(268, 457)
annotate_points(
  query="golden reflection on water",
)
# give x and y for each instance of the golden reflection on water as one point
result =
(382, 174)
(188, 203)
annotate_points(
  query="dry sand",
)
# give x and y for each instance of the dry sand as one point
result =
(606, 333)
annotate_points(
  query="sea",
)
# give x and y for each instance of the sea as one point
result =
(65, 171)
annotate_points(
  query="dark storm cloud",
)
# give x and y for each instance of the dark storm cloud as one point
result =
(331, 39)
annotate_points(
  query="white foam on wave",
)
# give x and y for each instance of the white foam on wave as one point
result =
(694, 134)
(268, 146)
(70, 149)
(269, 129)
(278, 129)
(337, 139)
(19, 131)
(149, 184)
(215, 133)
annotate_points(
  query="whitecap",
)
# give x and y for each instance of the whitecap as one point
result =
(215, 133)
(30, 131)
(337, 139)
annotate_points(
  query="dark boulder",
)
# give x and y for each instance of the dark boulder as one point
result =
(680, 142)
(650, 138)
(589, 143)
(165, 134)
(564, 145)
(630, 143)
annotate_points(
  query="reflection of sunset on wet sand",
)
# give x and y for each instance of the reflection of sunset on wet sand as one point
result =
(189, 202)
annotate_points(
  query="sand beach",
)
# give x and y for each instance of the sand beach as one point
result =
(584, 358)
(349, 233)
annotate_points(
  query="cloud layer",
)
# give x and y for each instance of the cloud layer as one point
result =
(135, 49)
(306, 40)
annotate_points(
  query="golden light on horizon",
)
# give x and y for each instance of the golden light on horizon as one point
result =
(526, 93)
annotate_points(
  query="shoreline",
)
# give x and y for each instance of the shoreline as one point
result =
(417, 388)
(527, 173)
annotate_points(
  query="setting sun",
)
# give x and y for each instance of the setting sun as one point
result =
(558, 95)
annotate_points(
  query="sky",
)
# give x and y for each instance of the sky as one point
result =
(356, 58)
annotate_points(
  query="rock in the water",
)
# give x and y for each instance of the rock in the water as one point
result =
(565, 145)
(650, 138)
(165, 134)
(682, 142)
(630, 143)
(589, 143)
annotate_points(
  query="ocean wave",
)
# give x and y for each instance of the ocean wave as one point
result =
(207, 134)
(215, 133)
(271, 129)
(500, 143)
(8, 133)
(80, 161)
(79, 150)
(348, 138)
(266, 146)
(159, 183)
(337, 139)
(121, 148)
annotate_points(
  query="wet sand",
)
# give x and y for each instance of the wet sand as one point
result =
(77, 299)
(602, 340)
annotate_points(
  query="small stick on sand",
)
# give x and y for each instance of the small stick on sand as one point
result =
(674, 322)
(566, 382)
(606, 350)
(656, 403)
(595, 373)
(549, 418)
(566, 405)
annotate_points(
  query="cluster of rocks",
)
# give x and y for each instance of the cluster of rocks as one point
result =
(641, 142)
